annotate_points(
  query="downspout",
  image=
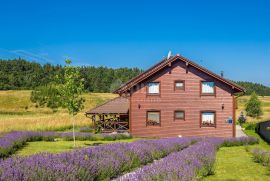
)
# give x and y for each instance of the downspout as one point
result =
(234, 110)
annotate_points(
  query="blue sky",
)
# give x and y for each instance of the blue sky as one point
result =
(233, 36)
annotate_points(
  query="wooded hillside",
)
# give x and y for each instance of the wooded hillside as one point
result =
(19, 74)
(260, 89)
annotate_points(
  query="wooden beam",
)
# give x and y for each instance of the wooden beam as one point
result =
(187, 67)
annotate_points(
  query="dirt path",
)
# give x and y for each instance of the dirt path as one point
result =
(239, 132)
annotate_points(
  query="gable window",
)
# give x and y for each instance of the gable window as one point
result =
(153, 118)
(207, 88)
(153, 88)
(179, 85)
(179, 115)
(208, 119)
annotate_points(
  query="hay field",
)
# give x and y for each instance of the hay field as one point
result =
(265, 105)
(18, 113)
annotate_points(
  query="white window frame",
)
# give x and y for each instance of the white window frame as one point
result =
(208, 119)
(148, 123)
(151, 90)
(206, 88)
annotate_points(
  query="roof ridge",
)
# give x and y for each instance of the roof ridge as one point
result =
(164, 62)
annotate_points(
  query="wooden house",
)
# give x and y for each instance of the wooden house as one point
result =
(174, 98)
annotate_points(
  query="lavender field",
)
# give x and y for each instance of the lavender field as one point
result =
(177, 159)
(15, 140)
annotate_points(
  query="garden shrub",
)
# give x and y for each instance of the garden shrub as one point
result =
(261, 156)
(250, 126)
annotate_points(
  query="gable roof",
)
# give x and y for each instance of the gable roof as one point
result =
(166, 62)
(118, 105)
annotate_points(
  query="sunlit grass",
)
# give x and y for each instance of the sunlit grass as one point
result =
(61, 146)
(18, 113)
(236, 164)
(262, 144)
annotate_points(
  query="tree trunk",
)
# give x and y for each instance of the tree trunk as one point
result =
(73, 131)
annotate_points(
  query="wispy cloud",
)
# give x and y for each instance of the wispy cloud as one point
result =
(40, 57)
(28, 55)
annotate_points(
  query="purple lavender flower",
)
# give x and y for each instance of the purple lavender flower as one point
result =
(16, 139)
(180, 160)
(96, 163)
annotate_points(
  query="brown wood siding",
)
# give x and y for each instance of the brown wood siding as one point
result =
(189, 100)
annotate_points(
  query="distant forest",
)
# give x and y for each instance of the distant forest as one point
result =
(20, 74)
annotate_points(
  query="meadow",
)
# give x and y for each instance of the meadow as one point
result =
(17, 112)
(241, 102)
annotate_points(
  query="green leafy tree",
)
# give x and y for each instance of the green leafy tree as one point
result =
(254, 106)
(71, 91)
(67, 94)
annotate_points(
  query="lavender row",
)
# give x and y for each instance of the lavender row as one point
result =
(96, 163)
(11, 142)
(261, 156)
(190, 164)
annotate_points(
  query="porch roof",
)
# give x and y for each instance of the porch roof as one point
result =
(118, 105)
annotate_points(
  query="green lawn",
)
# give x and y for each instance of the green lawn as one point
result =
(61, 146)
(263, 144)
(236, 164)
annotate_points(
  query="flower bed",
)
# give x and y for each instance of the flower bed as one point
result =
(13, 141)
(97, 163)
(190, 164)
(195, 161)
(261, 156)
(241, 141)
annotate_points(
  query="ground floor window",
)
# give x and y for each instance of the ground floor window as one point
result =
(153, 118)
(208, 119)
(179, 115)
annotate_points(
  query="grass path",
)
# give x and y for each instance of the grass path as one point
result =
(61, 146)
(236, 164)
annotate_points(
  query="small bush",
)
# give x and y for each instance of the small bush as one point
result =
(87, 130)
(242, 141)
(250, 126)
(261, 156)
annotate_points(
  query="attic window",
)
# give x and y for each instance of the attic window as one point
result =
(207, 88)
(153, 88)
(179, 85)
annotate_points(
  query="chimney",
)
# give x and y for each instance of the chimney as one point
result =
(222, 73)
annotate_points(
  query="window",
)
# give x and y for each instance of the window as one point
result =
(153, 118)
(208, 119)
(179, 85)
(208, 88)
(153, 88)
(179, 115)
